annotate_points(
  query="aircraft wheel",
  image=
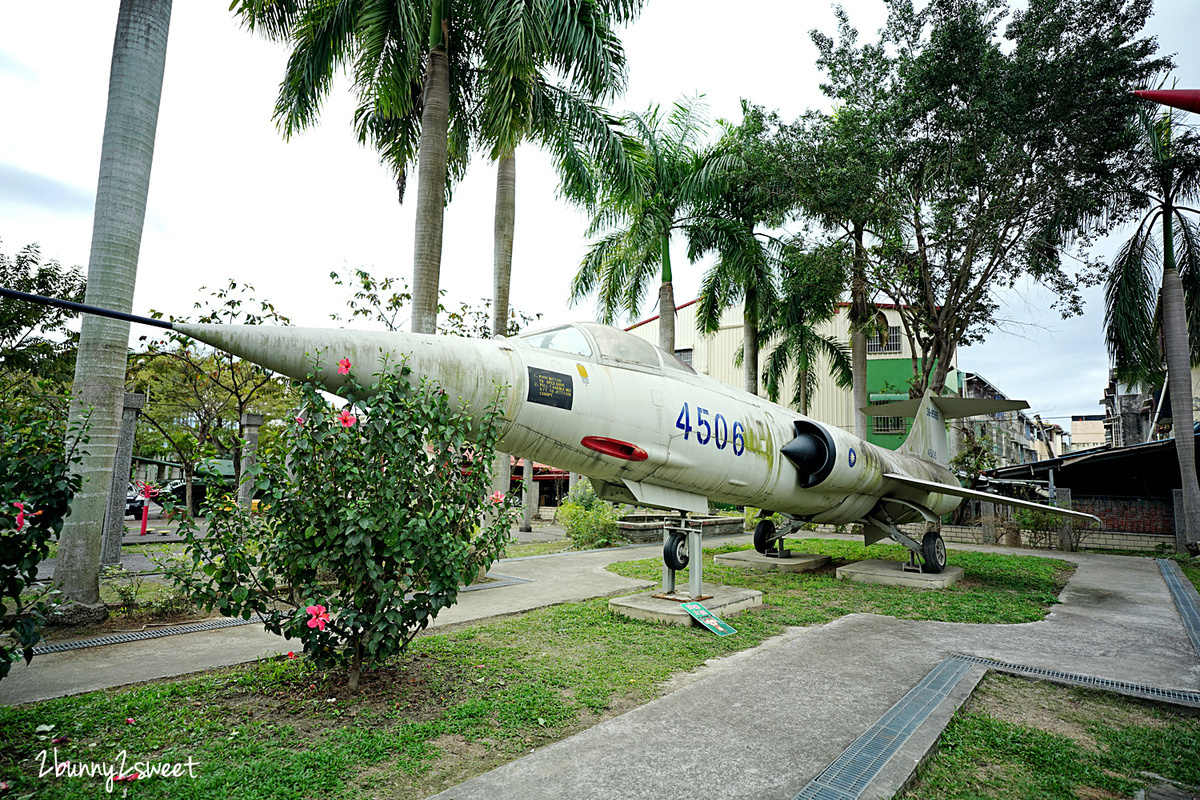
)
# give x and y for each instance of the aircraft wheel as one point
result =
(675, 551)
(934, 551)
(764, 535)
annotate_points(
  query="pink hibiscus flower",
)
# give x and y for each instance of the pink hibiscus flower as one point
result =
(319, 617)
(344, 367)
(346, 418)
(20, 515)
(497, 497)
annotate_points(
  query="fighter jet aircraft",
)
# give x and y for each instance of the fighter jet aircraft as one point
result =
(650, 431)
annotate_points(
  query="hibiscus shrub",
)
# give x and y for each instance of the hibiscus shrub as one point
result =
(370, 519)
(36, 487)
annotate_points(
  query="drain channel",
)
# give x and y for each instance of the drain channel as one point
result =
(1122, 687)
(136, 636)
(848, 776)
(1185, 598)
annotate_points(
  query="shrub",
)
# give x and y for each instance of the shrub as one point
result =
(370, 517)
(588, 520)
(36, 487)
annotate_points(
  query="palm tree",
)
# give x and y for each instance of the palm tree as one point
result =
(754, 194)
(522, 46)
(671, 175)
(840, 162)
(811, 283)
(1167, 178)
(412, 76)
(126, 154)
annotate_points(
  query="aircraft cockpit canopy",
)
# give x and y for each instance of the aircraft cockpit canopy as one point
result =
(605, 345)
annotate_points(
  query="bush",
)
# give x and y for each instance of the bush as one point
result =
(36, 487)
(588, 520)
(369, 519)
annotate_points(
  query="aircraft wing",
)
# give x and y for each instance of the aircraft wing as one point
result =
(972, 494)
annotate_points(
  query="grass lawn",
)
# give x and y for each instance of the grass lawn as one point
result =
(1019, 739)
(459, 702)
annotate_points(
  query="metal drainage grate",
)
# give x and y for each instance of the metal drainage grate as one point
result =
(121, 638)
(1185, 598)
(1134, 689)
(848, 776)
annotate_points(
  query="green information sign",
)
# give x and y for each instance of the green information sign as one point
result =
(706, 618)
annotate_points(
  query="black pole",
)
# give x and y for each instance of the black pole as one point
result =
(13, 294)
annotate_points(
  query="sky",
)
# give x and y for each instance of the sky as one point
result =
(231, 199)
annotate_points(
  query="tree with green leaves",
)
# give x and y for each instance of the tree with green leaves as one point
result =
(372, 517)
(35, 341)
(410, 65)
(673, 173)
(811, 281)
(37, 481)
(429, 77)
(545, 70)
(835, 165)
(126, 154)
(1004, 146)
(1140, 309)
(736, 226)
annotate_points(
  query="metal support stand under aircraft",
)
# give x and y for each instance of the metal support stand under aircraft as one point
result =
(683, 545)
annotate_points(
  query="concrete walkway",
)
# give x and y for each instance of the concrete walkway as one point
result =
(539, 581)
(760, 724)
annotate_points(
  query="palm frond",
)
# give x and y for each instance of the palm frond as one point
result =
(1130, 295)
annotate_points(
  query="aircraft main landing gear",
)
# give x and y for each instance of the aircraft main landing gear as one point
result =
(931, 548)
(675, 551)
(933, 551)
(764, 535)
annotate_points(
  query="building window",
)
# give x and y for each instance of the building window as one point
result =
(685, 356)
(888, 344)
(887, 424)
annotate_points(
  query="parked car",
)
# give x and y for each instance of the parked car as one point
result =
(134, 501)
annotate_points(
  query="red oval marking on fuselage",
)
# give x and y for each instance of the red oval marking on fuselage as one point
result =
(614, 447)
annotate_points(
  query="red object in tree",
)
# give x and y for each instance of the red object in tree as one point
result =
(1187, 99)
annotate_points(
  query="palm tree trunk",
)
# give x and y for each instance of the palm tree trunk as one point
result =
(126, 155)
(431, 183)
(666, 301)
(506, 213)
(859, 314)
(506, 216)
(1179, 382)
(750, 341)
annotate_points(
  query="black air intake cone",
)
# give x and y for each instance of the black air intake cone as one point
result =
(812, 453)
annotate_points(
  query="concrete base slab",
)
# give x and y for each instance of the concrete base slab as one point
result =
(891, 573)
(725, 602)
(752, 559)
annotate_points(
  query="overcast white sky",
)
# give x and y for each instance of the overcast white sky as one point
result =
(229, 198)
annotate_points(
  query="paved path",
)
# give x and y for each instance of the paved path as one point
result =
(541, 581)
(759, 724)
(762, 724)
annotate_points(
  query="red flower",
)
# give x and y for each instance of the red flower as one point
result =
(319, 617)
(20, 515)
(346, 418)
(344, 367)
(291, 654)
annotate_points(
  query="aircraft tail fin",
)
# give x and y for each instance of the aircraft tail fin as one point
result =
(927, 437)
